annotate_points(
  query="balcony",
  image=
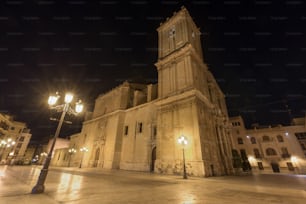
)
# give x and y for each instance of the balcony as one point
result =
(284, 156)
(4, 126)
(267, 140)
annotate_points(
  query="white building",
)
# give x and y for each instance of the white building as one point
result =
(14, 139)
(61, 155)
(271, 149)
(137, 126)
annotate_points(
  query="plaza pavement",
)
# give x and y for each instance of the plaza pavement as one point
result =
(77, 186)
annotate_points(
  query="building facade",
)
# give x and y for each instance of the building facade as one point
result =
(137, 126)
(271, 149)
(61, 155)
(14, 139)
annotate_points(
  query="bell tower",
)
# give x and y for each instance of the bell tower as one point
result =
(180, 62)
(190, 104)
(176, 32)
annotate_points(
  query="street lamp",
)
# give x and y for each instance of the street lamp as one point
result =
(64, 108)
(71, 152)
(83, 150)
(183, 141)
(43, 156)
(294, 161)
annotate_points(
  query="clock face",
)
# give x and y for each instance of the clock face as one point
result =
(172, 32)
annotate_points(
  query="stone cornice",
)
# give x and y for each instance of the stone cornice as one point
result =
(185, 50)
(103, 116)
(119, 111)
(187, 94)
(183, 13)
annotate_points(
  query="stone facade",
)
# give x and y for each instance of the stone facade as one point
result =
(271, 149)
(137, 126)
(190, 103)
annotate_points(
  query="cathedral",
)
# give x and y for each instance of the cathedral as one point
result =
(137, 126)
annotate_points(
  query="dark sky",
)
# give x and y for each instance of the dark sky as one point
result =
(255, 49)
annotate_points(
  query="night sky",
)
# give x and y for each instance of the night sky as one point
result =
(255, 49)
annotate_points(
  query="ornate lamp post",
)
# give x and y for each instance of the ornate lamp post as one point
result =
(71, 152)
(183, 141)
(64, 108)
(83, 150)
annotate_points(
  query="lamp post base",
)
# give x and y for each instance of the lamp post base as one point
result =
(184, 166)
(39, 188)
(184, 173)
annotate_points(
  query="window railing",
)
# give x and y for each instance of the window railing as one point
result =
(267, 140)
(258, 156)
(286, 155)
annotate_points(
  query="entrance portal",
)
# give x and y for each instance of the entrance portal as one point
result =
(96, 158)
(153, 159)
(275, 167)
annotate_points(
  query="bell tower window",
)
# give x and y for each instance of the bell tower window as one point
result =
(172, 39)
(172, 32)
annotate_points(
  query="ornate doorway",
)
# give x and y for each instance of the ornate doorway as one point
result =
(96, 161)
(153, 159)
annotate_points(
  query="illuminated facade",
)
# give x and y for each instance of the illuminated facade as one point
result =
(271, 149)
(190, 103)
(137, 126)
(14, 139)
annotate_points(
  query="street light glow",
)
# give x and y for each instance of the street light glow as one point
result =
(52, 100)
(68, 97)
(79, 106)
(84, 149)
(294, 159)
(182, 140)
(72, 150)
(43, 154)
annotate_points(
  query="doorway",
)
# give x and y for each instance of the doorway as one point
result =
(153, 159)
(275, 167)
(96, 158)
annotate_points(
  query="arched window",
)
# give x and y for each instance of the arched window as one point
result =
(253, 140)
(280, 138)
(256, 153)
(270, 152)
(240, 140)
(265, 138)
